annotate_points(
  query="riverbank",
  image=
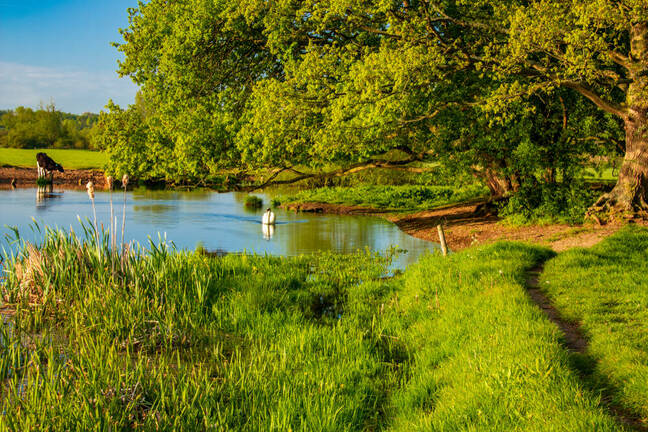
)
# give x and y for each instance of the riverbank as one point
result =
(71, 177)
(465, 226)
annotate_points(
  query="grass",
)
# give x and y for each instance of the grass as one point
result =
(412, 197)
(69, 159)
(606, 289)
(160, 339)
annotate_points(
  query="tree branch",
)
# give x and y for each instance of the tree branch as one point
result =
(370, 164)
(598, 101)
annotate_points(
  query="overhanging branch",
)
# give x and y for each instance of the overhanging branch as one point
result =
(596, 99)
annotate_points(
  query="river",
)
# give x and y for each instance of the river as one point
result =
(217, 221)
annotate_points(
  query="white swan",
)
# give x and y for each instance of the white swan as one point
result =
(268, 218)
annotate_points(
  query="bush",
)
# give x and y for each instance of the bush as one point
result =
(253, 201)
(564, 202)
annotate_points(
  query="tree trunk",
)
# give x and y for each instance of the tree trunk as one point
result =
(497, 184)
(630, 194)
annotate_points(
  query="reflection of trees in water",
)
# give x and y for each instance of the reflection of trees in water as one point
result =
(153, 208)
(144, 193)
(337, 233)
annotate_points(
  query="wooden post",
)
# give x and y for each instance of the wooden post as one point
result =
(442, 240)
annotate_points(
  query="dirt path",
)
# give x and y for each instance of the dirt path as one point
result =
(27, 177)
(576, 342)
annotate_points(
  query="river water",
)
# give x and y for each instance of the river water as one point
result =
(217, 221)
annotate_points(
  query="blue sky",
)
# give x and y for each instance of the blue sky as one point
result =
(60, 50)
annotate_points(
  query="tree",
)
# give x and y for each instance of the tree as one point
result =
(360, 84)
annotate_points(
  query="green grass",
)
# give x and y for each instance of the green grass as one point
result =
(413, 197)
(180, 341)
(606, 174)
(69, 159)
(606, 289)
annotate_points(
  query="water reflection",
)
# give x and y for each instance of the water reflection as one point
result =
(268, 231)
(44, 194)
(218, 221)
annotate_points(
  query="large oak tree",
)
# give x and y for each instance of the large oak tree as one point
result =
(280, 83)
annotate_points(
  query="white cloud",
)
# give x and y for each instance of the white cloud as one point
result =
(71, 90)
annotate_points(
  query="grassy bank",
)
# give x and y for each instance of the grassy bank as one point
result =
(412, 197)
(183, 341)
(69, 159)
(606, 289)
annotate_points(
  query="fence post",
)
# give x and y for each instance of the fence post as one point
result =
(442, 240)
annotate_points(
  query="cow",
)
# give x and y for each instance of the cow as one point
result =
(46, 165)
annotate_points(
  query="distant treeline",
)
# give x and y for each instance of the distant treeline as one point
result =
(46, 127)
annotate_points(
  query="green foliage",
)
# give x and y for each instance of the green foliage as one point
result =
(604, 289)
(169, 340)
(253, 201)
(46, 128)
(43, 181)
(257, 84)
(390, 197)
(73, 159)
(537, 202)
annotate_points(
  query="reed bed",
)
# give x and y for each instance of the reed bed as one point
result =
(158, 339)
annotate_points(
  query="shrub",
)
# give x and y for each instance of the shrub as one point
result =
(564, 202)
(253, 201)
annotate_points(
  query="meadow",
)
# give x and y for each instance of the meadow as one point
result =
(159, 339)
(69, 159)
(389, 197)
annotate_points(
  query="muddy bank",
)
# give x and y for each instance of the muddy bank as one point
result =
(341, 209)
(464, 226)
(27, 177)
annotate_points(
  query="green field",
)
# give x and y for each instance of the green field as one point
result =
(72, 159)
(181, 341)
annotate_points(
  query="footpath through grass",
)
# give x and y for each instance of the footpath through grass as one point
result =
(606, 289)
(181, 341)
(69, 159)
(410, 197)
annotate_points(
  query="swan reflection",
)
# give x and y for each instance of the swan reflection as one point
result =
(268, 231)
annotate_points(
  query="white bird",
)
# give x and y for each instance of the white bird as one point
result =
(268, 218)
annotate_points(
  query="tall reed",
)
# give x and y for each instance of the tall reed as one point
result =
(110, 183)
(124, 186)
(91, 194)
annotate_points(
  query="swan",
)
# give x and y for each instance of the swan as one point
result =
(268, 218)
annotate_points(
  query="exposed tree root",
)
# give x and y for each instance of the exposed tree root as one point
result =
(615, 206)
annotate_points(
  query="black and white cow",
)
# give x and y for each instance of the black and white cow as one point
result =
(46, 165)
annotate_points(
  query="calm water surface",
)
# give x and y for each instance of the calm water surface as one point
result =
(215, 220)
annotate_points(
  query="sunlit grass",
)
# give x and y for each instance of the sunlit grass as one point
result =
(606, 289)
(413, 197)
(69, 159)
(159, 339)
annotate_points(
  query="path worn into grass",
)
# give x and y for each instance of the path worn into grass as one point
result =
(576, 342)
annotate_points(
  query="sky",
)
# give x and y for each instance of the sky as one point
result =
(59, 51)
